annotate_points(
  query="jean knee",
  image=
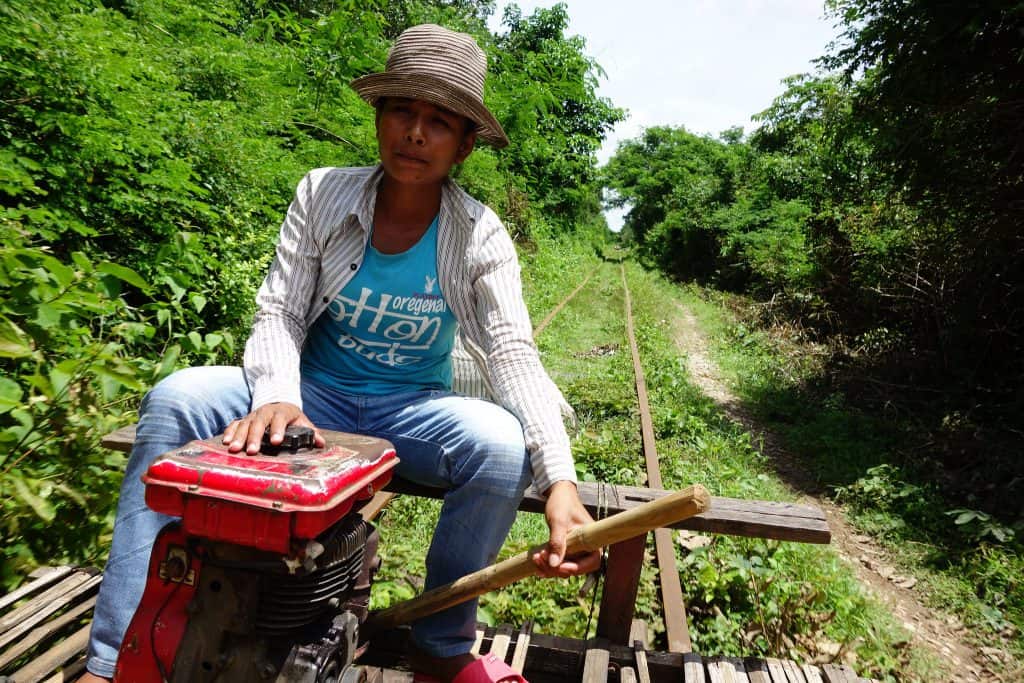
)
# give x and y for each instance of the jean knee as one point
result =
(499, 460)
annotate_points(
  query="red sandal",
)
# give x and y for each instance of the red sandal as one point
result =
(486, 669)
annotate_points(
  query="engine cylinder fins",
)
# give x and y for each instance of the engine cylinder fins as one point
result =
(291, 602)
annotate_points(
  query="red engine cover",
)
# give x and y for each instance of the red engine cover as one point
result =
(266, 501)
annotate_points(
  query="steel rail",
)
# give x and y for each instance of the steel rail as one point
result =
(671, 591)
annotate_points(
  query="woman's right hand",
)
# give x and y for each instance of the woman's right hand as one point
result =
(248, 431)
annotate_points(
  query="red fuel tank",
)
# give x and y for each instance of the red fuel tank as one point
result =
(267, 501)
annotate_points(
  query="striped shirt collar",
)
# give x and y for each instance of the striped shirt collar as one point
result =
(455, 203)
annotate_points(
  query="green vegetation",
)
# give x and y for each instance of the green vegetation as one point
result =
(969, 563)
(148, 150)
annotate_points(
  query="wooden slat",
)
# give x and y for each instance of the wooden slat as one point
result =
(595, 666)
(501, 641)
(70, 672)
(54, 657)
(693, 668)
(753, 518)
(638, 631)
(777, 671)
(793, 672)
(29, 620)
(50, 576)
(45, 631)
(373, 507)
(52, 593)
(478, 642)
(833, 673)
(643, 672)
(627, 675)
(120, 440)
(522, 648)
(739, 669)
(812, 674)
(757, 670)
(718, 671)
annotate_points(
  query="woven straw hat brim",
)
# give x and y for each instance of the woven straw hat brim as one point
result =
(436, 91)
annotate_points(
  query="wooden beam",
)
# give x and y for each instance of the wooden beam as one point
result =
(736, 517)
(618, 595)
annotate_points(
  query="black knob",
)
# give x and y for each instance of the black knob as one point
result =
(295, 437)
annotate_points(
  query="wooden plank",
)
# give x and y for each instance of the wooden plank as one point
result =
(373, 507)
(757, 670)
(59, 600)
(837, 673)
(70, 672)
(638, 631)
(717, 673)
(393, 676)
(625, 561)
(478, 642)
(45, 631)
(51, 575)
(738, 668)
(595, 666)
(643, 672)
(501, 641)
(777, 671)
(627, 675)
(793, 672)
(522, 648)
(693, 668)
(120, 440)
(52, 593)
(752, 518)
(811, 673)
(54, 657)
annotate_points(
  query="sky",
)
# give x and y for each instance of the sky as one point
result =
(707, 65)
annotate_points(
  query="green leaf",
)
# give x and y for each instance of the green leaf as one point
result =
(10, 395)
(196, 340)
(198, 302)
(167, 363)
(125, 274)
(14, 343)
(39, 505)
(964, 516)
(212, 339)
(82, 261)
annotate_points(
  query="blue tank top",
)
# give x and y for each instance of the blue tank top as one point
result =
(389, 329)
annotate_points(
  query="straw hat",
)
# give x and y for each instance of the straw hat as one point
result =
(443, 67)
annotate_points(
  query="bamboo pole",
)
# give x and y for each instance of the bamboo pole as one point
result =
(664, 511)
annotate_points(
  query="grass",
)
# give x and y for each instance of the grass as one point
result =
(889, 490)
(745, 596)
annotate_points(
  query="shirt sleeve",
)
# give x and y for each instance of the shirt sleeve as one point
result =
(520, 382)
(272, 353)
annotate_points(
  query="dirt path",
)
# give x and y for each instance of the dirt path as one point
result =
(941, 634)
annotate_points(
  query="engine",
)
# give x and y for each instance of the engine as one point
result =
(266, 576)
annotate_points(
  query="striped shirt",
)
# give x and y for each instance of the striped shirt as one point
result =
(322, 243)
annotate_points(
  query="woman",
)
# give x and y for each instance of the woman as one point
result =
(376, 273)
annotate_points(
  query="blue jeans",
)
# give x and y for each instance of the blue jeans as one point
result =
(473, 448)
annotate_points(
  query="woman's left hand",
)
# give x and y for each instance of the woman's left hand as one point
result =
(564, 512)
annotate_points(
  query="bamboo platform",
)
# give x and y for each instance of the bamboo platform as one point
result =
(44, 628)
